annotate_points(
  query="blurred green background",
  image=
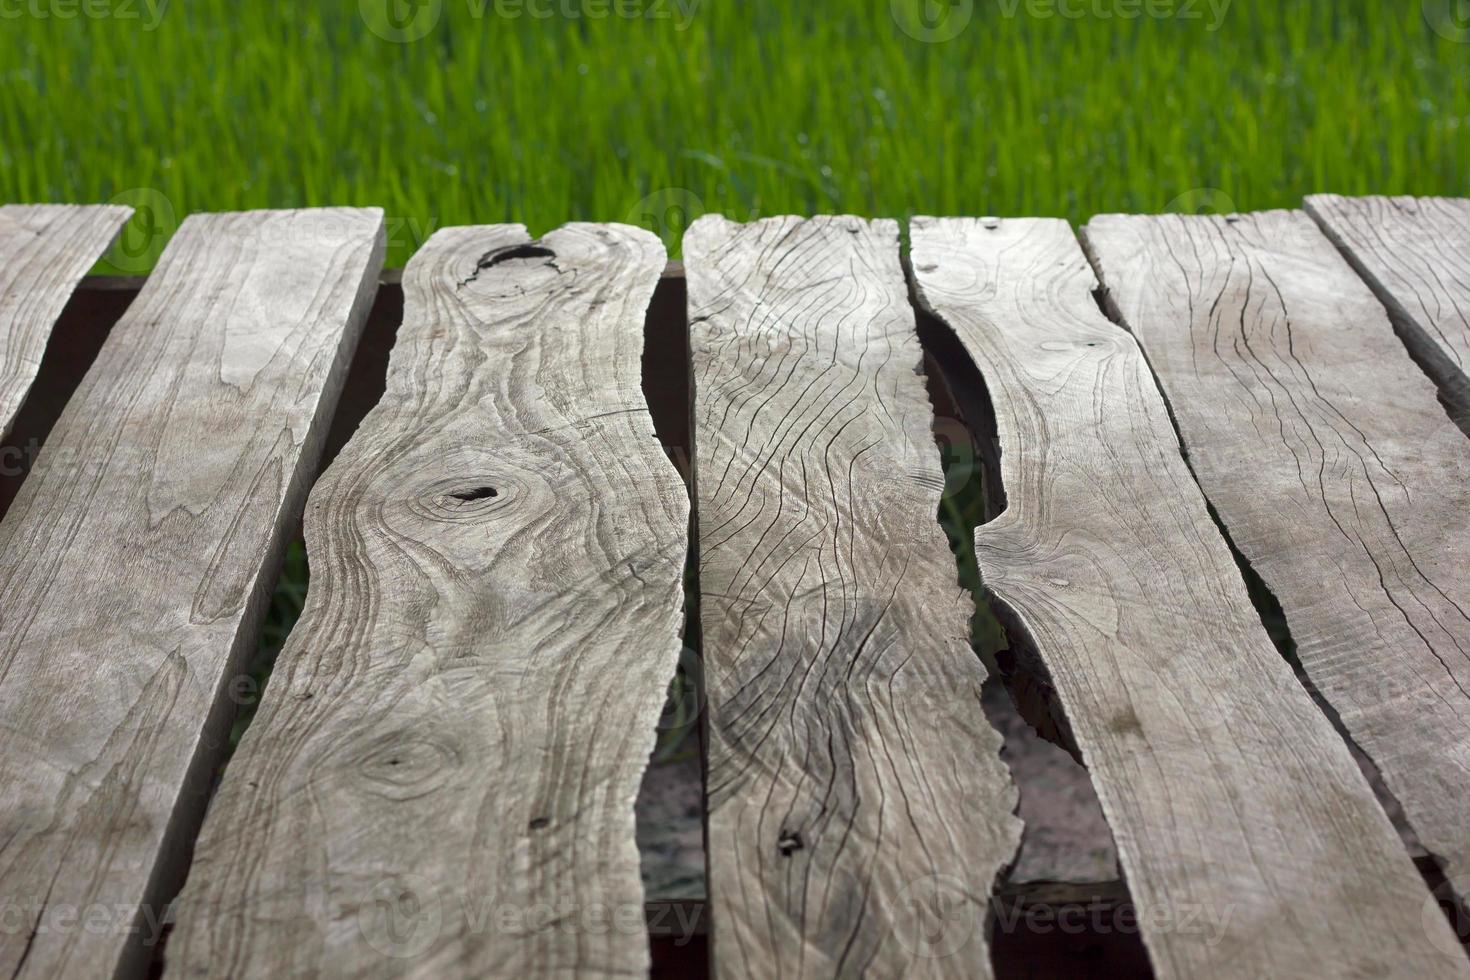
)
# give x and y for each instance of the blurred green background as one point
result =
(653, 111)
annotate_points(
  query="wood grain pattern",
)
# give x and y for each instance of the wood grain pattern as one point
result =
(858, 810)
(45, 249)
(1415, 255)
(440, 781)
(1251, 842)
(138, 556)
(1333, 468)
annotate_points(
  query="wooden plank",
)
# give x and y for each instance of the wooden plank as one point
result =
(1251, 842)
(1334, 470)
(858, 813)
(138, 557)
(441, 778)
(45, 249)
(1415, 255)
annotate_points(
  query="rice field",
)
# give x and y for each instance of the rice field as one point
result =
(654, 111)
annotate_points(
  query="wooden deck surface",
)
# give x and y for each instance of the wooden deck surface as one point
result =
(1198, 434)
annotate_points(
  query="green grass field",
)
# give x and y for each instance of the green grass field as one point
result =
(653, 111)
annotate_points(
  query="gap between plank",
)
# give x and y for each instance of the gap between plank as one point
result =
(1018, 698)
(678, 922)
(74, 343)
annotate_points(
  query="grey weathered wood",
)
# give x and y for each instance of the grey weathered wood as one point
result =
(1357, 496)
(441, 778)
(137, 559)
(858, 811)
(1415, 255)
(45, 249)
(1251, 842)
(1333, 468)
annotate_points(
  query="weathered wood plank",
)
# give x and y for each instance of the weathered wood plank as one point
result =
(441, 778)
(1334, 470)
(858, 810)
(1251, 842)
(137, 558)
(1415, 255)
(45, 249)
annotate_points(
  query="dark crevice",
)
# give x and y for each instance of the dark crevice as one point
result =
(1021, 703)
(670, 810)
(1273, 616)
(75, 341)
(969, 444)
